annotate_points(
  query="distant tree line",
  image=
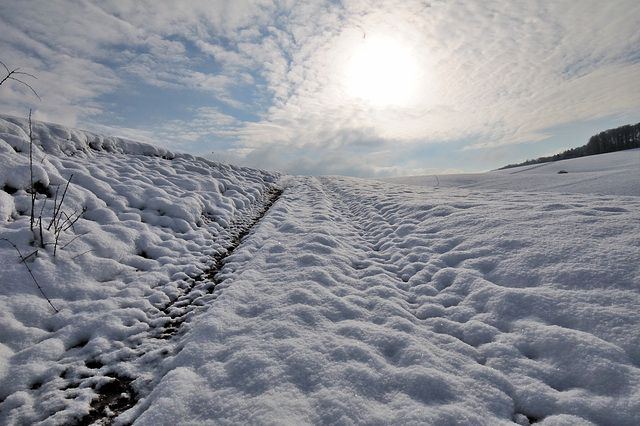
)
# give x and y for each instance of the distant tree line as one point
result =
(618, 139)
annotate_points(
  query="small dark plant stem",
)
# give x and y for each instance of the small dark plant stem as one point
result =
(58, 206)
(42, 209)
(41, 234)
(83, 253)
(55, 203)
(73, 239)
(11, 76)
(39, 221)
(33, 253)
(64, 226)
(31, 188)
(71, 221)
(55, 244)
(23, 260)
(55, 208)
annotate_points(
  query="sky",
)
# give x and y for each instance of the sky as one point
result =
(358, 88)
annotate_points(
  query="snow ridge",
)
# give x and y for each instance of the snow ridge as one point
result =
(155, 226)
(120, 395)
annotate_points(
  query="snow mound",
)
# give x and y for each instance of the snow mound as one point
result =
(150, 223)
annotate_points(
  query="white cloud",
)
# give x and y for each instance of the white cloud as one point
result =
(495, 72)
(207, 126)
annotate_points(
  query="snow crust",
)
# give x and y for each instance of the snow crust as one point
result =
(350, 302)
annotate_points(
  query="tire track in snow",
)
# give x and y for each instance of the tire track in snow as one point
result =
(421, 270)
(196, 294)
(440, 292)
(115, 392)
(383, 232)
(409, 264)
(413, 272)
(377, 230)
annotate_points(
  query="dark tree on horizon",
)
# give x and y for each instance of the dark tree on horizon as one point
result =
(618, 139)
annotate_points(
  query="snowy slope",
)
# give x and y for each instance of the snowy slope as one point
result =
(616, 173)
(153, 225)
(349, 302)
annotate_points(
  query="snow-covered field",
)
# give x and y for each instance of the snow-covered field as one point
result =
(617, 173)
(501, 298)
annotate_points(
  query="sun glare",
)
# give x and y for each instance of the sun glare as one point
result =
(382, 72)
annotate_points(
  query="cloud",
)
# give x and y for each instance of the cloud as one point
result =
(536, 58)
(268, 78)
(500, 72)
(315, 161)
(80, 51)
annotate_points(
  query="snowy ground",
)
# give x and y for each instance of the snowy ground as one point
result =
(349, 302)
(616, 173)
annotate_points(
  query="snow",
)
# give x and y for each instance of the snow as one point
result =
(615, 173)
(501, 298)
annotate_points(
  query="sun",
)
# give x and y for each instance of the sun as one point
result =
(382, 72)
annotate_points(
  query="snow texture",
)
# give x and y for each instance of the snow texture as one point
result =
(504, 298)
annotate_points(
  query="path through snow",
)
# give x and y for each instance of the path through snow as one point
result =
(359, 302)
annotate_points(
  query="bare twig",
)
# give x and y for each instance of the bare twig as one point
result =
(71, 220)
(31, 187)
(41, 234)
(73, 239)
(61, 221)
(44, 204)
(23, 260)
(56, 208)
(83, 253)
(11, 75)
(59, 228)
(33, 253)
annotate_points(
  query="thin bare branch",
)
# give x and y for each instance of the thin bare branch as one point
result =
(56, 208)
(23, 259)
(11, 76)
(83, 253)
(31, 188)
(73, 239)
(71, 221)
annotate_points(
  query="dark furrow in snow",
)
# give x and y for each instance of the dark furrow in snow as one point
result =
(204, 285)
(116, 392)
